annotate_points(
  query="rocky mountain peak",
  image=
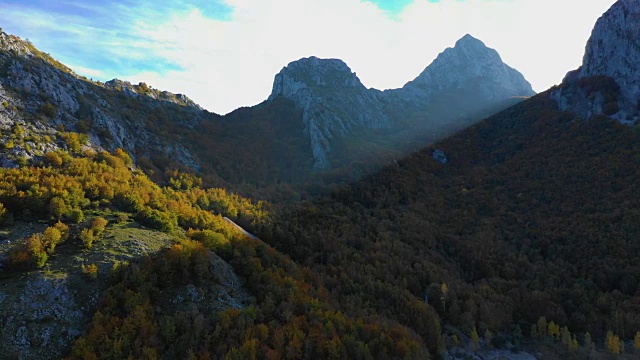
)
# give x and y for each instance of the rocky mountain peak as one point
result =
(469, 61)
(469, 41)
(313, 72)
(332, 100)
(612, 53)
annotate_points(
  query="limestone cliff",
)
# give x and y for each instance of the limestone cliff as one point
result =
(608, 82)
(333, 101)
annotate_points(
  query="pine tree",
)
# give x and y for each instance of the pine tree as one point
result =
(542, 326)
(566, 337)
(475, 339)
(554, 330)
(613, 344)
(517, 335)
(589, 346)
(574, 343)
(444, 291)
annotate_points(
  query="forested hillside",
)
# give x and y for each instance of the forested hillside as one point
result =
(534, 215)
(162, 304)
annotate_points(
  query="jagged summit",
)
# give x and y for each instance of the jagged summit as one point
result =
(468, 61)
(468, 41)
(612, 53)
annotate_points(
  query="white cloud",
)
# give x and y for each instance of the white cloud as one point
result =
(228, 64)
(85, 71)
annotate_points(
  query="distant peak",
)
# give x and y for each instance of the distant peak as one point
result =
(467, 41)
(471, 59)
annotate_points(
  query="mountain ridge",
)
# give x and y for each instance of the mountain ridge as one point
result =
(335, 103)
(336, 108)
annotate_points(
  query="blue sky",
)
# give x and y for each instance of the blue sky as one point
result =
(224, 53)
(392, 6)
(103, 37)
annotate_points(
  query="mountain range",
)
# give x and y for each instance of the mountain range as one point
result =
(463, 236)
(335, 104)
(331, 107)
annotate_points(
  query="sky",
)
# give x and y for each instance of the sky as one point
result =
(224, 54)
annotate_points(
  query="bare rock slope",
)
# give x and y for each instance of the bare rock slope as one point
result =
(608, 82)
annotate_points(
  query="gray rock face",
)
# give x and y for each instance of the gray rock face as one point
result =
(40, 320)
(333, 101)
(440, 156)
(614, 48)
(142, 89)
(613, 51)
(470, 62)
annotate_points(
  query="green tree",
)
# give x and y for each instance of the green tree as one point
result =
(613, 343)
(87, 237)
(4, 213)
(589, 346)
(53, 158)
(574, 343)
(542, 326)
(76, 216)
(565, 335)
(50, 238)
(58, 208)
(98, 225)
(554, 330)
(475, 339)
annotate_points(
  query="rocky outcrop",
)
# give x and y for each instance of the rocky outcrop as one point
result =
(336, 104)
(42, 96)
(41, 319)
(609, 80)
(333, 101)
(142, 89)
(43, 311)
(440, 156)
